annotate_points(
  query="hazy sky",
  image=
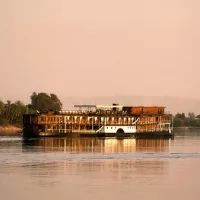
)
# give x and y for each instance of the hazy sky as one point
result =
(99, 47)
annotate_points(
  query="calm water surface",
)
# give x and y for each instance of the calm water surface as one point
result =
(89, 168)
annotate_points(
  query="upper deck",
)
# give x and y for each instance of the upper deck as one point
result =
(114, 110)
(109, 110)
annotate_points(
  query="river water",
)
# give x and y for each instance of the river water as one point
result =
(105, 168)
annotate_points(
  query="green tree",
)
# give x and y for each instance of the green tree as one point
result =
(56, 103)
(2, 120)
(13, 112)
(191, 115)
(178, 122)
(180, 116)
(18, 109)
(1, 107)
(44, 102)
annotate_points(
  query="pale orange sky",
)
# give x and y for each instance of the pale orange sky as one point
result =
(99, 48)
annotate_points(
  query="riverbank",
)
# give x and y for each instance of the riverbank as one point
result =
(10, 130)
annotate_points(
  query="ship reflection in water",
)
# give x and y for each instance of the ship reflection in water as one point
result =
(107, 158)
(92, 145)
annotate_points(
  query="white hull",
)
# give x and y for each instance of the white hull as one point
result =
(117, 129)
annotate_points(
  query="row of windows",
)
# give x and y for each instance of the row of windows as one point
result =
(51, 119)
(55, 127)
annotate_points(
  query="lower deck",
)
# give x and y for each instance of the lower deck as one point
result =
(104, 131)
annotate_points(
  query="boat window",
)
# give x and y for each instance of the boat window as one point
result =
(43, 119)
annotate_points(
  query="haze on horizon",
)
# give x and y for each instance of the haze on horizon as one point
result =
(99, 48)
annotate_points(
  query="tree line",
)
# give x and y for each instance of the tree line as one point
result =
(11, 112)
(181, 120)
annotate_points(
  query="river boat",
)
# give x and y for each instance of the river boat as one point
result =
(100, 120)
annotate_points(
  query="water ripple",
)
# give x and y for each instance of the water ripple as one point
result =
(52, 157)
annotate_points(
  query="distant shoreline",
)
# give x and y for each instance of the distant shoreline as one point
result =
(186, 127)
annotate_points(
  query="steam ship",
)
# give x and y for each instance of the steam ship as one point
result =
(100, 120)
